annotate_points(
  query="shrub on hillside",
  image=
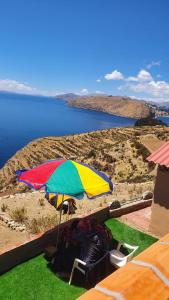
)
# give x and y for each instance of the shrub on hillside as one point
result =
(108, 168)
(19, 215)
(42, 202)
(42, 224)
(109, 158)
(149, 121)
(120, 174)
(91, 153)
(151, 166)
(97, 165)
(141, 150)
(4, 207)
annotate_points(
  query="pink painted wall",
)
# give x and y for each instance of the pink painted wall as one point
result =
(159, 224)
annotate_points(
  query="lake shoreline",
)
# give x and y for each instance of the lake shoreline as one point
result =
(36, 117)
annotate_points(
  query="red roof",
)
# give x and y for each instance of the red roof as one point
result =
(161, 156)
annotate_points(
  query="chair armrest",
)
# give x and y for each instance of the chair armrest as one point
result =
(125, 245)
(133, 248)
(117, 257)
(80, 261)
(129, 246)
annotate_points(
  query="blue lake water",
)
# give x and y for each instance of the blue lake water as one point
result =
(165, 120)
(24, 118)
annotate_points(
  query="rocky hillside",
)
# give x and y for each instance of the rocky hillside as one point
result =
(119, 152)
(116, 105)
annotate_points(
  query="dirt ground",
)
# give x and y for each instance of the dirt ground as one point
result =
(45, 216)
(9, 238)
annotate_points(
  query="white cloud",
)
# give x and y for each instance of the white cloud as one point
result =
(143, 83)
(158, 89)
(143, 75)
(115, 75)
(99, 92)
(153, 64)
(134, 97)
(131, 78)
(84, 91)
(10, 85)
(98, 80)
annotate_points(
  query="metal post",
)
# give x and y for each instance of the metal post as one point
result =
(60, 217)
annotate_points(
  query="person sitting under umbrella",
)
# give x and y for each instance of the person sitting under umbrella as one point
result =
(92, 238)
(84, 239)
(68, 206)
(62, 202)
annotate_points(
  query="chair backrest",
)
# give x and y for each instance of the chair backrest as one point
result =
(95, 272)
(106, 254)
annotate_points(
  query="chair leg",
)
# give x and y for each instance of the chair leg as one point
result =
(71, 275)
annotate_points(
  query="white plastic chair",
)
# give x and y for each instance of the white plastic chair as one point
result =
(76, 265)
(118, 259)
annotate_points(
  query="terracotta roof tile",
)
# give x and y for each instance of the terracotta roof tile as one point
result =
(161, 156)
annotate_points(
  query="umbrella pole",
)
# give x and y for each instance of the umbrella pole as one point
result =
(60, 218)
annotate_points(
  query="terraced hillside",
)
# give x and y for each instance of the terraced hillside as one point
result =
(119, 152)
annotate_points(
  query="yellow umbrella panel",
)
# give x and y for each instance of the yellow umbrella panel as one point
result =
(56, 200)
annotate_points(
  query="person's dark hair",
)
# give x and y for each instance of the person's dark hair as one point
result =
(83, 226)
(74, 224)
(93, 223)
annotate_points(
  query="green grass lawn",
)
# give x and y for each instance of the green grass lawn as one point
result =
(123, 232)
(32, 280)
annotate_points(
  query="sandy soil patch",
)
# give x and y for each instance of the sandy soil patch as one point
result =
(9, 238)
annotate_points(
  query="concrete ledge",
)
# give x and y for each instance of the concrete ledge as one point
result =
(27, 250)
(128, 208)
(20, 253)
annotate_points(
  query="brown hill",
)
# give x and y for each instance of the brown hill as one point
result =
(120, 152)
(116, 105)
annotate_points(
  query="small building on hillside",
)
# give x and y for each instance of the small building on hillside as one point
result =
(159, 223)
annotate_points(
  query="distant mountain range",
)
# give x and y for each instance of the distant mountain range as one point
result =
(163, 104)
(67, 97)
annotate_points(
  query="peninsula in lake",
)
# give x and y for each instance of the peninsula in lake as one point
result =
(115, 105)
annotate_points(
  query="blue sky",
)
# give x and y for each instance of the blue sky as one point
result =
(118, 47)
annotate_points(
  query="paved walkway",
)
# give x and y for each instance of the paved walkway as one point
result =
(139, 219)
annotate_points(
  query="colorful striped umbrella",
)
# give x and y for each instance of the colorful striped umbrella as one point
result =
(67, 177)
